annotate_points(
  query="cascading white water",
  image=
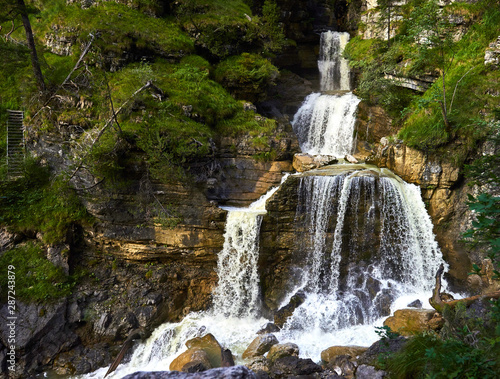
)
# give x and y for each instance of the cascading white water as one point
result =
(234, 318)
(358, 268)
(333, 68)
(237, 292)
(324, 124)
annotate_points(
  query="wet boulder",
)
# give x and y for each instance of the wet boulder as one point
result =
(209, 344)
(282, 315)
(282, 350)
(260, 346)
(269, 328)
(191, 357)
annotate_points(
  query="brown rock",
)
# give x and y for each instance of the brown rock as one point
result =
(190, 356)
(282, 350)
(210, 346)
(260, 346)
(408, 322)
(329, 355)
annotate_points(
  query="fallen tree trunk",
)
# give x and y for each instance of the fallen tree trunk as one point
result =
(439, 304)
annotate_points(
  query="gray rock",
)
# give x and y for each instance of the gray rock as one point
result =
(415, 304)
(235, 372)
(369, 372)
(291, 366)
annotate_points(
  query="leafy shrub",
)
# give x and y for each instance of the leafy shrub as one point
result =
(247, 75)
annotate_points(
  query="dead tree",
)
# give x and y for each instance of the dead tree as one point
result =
(439, 304)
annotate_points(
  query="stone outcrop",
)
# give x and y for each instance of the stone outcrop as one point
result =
(305, 162)
(408, 322)
(492, 53)
(37, 327)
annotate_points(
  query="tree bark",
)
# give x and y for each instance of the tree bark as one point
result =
(31, 45)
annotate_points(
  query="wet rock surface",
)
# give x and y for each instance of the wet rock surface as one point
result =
(236, 372)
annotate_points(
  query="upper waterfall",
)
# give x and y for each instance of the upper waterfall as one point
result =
(324, 123)
(333, 68)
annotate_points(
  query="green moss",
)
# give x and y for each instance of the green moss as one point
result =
(35, 203)
(247, 75)
(36, 278)
(118, 28)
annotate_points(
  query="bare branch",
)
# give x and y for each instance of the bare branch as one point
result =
(456, 86)
(106, 125)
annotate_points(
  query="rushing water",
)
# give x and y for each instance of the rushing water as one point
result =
(365, 235)
(325, 122)
(370, 249)
(333, 68)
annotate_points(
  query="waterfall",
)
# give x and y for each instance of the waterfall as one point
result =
(370, 248)
(237, 292)
(234, 317)
(324, 123)
(333, 68)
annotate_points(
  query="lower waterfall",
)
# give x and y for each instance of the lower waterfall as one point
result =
(369, 250)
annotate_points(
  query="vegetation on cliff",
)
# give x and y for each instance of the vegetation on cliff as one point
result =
(445, 45)
(193, 54)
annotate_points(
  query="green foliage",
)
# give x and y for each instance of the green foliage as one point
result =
(247, 75)
(37, 279)
(227, 28)
(424, 46)
(35, 203)
(119, 28)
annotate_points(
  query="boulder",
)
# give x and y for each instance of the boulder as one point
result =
(408, 322)
(259, 364)
(369, 372)
(383, 346)
(235, 372)
(329, 355)
(210, 346)
(349, 158)
(269, 328)
(190, 357)
(260, 346)
(415, 304)
(342, 364)
(281, 350)
(291, 366)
